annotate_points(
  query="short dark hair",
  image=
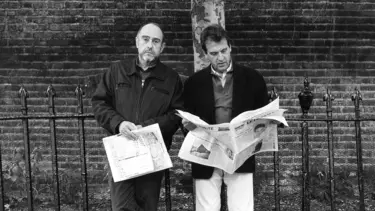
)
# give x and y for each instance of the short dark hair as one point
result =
(155, 24)
(259, 126)
(214, 32)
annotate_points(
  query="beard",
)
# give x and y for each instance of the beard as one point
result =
(148, 56)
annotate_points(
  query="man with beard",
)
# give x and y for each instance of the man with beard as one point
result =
(135, 93)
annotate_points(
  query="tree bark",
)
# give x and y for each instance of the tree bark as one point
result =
(204, 13)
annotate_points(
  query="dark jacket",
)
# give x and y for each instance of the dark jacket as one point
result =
(120, 97)
(249, 93)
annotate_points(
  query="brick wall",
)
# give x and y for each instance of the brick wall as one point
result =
(69, 42)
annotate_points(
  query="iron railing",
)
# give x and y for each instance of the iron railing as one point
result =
(305, 99)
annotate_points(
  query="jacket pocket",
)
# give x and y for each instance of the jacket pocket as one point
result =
(123, 85)
(160, 90)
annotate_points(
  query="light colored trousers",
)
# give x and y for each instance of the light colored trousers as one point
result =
(240, 194)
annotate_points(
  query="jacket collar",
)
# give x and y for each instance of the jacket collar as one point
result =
(207, 93)
(157, 71)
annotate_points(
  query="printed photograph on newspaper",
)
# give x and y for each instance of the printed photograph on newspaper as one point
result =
(130, 158)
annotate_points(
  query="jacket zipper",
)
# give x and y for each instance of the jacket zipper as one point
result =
(140, 100)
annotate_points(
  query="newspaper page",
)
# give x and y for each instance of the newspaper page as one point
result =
(129, 158)
(228, 145)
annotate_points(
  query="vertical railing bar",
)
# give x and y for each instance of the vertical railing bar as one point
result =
(1, 182)
(184, 133)
(79, 95)
(329, 98)
(167, 185)
(357, 97)
(276, 168)
(25, 122)
(277, 180)
(52, 122)
(223, 196)
(305, 98)
(305, 167)
(194, 196)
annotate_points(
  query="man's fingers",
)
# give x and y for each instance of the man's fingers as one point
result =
(184, 121)
(132, 126)
(129, 135)
(128, 126)
(133, 135)
(126, 130)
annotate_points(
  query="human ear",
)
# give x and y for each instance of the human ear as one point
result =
(162, 47)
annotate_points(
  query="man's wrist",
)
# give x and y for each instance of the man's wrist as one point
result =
(117, 129)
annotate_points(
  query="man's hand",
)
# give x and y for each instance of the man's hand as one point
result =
(188, 125)
(126, 128)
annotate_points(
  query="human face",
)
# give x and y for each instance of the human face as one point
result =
(149, 42)
(218, 53)
(259, 131)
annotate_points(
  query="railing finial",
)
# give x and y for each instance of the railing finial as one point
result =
(79, 94)
(328, 96)
(51, 93)
(23, 94)
(305, 97)
(356, 97)
(272, 95)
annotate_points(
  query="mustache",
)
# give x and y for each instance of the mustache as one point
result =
(148, 51)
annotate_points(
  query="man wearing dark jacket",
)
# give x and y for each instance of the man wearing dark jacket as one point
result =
(217, 94)
(136, 93)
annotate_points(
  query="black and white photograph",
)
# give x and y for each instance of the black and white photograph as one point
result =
(74, 72)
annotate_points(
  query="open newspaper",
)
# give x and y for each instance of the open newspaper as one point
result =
(129, 158)
(228, 145)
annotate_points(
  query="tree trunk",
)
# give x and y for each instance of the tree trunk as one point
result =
(204, 13)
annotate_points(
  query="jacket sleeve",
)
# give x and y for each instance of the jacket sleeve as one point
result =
(170, 122)
(188, 102)
(103, 103)
(262, 97)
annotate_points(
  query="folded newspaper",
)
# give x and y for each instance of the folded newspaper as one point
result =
(228, 145)
(129, 158)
